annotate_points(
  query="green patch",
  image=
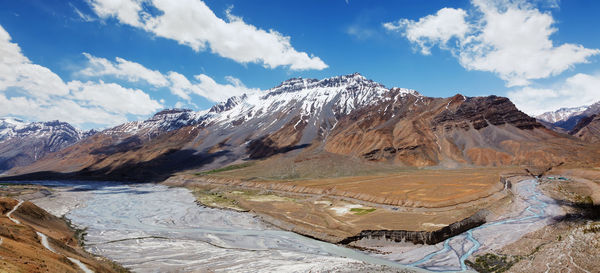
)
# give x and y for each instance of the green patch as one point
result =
(215, 200)
(492, 263)
(227, 168)
(361, 211)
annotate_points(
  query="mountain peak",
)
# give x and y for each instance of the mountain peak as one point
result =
(296, 84)
(172, 111)
(23, 143)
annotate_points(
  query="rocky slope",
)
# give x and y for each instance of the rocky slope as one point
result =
(22, 247)
(22, 143)
(588, 129)
(348, 116)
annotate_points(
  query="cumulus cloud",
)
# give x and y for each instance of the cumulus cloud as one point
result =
(178, 84)
(131, 71)
(508, 38)
(207, 87)
(194, 24)
(578, 90)
(127, 12)
(113, 98)
(433, 30)
(35, 92)
(17, 71)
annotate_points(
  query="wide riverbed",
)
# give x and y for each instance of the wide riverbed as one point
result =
(154, 228)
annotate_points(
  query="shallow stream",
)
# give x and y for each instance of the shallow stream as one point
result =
(533, 211)
(154, 228)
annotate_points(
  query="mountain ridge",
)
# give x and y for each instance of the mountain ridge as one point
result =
(344, 117)
(23, 143)
(565, 120)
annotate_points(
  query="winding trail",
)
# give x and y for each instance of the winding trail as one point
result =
(46, 244)
(13, 210)
(44, 240)
(456, 250)
(12, 219)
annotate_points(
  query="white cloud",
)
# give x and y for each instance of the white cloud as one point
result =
(35, 92)
(207, 87)
(124, 69)
(433, 30)
(578, 90)
(194, 24)
(508, 38)
(178, 84)
(58, 109)
(17, 71)
(113, 98)
(127, 12)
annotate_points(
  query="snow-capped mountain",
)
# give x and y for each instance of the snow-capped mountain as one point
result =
(16, 128)
(562, 114)
(163, 121)
(565, 119)
(22, 143)
(310, 100)
(313, 101)
(307, 119)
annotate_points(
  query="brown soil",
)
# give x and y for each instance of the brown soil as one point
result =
(407, 188)
(22, 251)
(334, 209)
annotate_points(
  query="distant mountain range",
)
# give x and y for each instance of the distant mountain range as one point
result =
(571, 120)
(313, 120)
(23, 143)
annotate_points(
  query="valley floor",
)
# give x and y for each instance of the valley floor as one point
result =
(337, 208)
(331, 216)
(545, 225)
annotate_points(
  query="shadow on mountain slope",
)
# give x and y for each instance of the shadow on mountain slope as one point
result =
(155, 170)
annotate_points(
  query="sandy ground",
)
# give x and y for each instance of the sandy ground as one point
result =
(326, 217)
(331, 209)
(408, 188)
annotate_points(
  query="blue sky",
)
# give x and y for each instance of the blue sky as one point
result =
(96, 64)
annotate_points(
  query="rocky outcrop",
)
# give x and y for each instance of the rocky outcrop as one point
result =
(480, 112)
(588, 129)
(422, 237)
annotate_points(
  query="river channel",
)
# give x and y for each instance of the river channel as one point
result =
(155, 228)
(532, 211)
